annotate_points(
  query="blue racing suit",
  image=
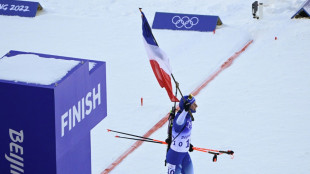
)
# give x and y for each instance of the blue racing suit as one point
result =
(178, 159)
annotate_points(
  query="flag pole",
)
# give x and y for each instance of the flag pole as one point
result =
(177, 86)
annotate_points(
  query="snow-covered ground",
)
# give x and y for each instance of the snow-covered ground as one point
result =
(258, 107)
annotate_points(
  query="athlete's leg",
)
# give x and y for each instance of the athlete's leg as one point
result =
(187, 165)
(174, 169)
(174, 161)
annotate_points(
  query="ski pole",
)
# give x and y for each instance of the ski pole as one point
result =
(215, 153)
(109, 130)
(142, 139)
(139, 138)
(150, 140)
(211, 151)
(229, 152)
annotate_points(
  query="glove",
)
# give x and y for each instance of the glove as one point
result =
(191, 148)
(187, 105)
(168, 141)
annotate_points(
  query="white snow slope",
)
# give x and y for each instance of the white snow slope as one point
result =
(258, 107)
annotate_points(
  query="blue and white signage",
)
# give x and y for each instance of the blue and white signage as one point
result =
(46, 128)
(176, 21)
(19, 8)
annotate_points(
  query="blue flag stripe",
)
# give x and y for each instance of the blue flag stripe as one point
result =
(147, 31)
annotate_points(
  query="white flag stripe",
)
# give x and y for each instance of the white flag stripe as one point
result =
(157, 54)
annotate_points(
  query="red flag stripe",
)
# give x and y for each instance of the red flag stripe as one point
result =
(163, 79)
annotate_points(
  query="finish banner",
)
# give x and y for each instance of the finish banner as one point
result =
(177, 21)
(19, 8)
(45, 125)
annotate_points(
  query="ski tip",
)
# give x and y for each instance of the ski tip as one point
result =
(116, 136)
(109, 130)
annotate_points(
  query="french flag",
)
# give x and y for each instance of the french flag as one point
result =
(158, 59)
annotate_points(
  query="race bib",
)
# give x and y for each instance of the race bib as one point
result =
(181, 141)
(171, 168)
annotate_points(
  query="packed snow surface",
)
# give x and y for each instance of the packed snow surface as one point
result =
(258, 107)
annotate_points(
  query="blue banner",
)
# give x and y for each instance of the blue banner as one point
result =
(19, 8)
(304, 11)
(176, 21)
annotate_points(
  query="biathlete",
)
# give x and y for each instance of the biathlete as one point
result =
(178, 159)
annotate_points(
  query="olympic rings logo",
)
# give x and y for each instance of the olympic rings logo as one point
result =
(185, 21)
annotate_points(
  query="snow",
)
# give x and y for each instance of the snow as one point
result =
(258, 107)
(31, 68)
(91, 65)
(34, 69)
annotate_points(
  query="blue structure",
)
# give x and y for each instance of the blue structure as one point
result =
(19, 8)
(46, 128)
(304, 11)
(194, 22)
